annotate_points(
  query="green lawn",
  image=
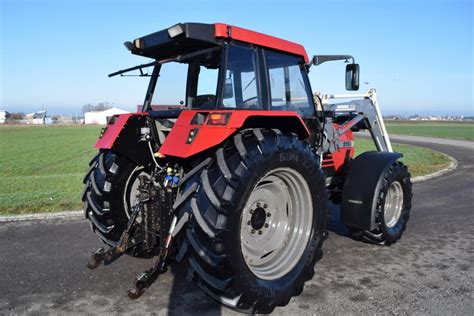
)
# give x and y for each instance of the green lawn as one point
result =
(420, 161)
(454, 130)
(41, 168)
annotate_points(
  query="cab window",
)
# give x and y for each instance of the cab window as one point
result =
(288, 87)
(171, 92)
(240, 85)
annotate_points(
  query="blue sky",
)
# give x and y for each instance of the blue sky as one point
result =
(417, 54)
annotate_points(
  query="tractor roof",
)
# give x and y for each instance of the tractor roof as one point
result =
(185, 38)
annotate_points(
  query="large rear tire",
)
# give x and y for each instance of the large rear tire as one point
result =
(109, 194)
(259, 212)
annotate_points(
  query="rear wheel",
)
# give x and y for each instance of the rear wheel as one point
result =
(111, 187)
(392, 208)
(259, 213)
(279, 205)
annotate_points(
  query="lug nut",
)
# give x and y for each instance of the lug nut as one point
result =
(260, 232)
(258, 204)
(253, 231)
(268, 214)
(249, 223)
(266, 225)
(251, 211)
(265, 205)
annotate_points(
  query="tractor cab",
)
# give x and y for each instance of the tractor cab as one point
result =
(224, 68)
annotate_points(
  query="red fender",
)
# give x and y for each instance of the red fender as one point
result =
(114, 127)
(177, 142)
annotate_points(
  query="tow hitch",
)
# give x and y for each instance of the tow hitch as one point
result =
(113, 253)
(152, 204)
(145, 279)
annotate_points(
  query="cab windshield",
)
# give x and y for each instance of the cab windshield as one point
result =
(228, 78)
(207, 85)
(188, 82)
(173, 90)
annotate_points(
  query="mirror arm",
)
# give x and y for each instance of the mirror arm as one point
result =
(319, 59)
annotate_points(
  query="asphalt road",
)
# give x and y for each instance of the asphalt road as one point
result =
(429, 271)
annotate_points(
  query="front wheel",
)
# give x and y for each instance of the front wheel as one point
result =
(392, 208)
(259, 214)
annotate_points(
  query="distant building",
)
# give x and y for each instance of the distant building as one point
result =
(3, 116)
(63, 119)
(38, 118)
(101, 117)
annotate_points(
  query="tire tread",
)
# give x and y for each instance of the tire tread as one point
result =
(202, 246)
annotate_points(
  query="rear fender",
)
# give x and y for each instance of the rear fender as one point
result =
(363, 181)
(190, 136)
(122, 134)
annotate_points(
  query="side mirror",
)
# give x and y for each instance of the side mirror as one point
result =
(352, 77)
(228, 89)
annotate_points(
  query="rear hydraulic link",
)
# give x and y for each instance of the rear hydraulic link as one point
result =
(146, 279)
(147, 204)
(113, 253)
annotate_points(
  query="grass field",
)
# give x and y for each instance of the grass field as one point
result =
(420, 161)
(454, 130)
(41, 168)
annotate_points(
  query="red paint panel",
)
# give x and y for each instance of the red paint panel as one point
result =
(327, 161)
(113, 130)
(338, 158)
(207, 136)
(252, 37)
(210, 135)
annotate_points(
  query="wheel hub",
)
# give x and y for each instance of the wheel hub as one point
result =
(131, 189)
(393, 204)
(258, 219)
(276, 223)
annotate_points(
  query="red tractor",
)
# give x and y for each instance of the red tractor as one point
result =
(234, 181)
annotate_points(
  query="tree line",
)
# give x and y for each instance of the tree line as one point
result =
(101, 106)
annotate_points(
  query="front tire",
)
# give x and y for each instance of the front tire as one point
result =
(249, 248)
(393, 207)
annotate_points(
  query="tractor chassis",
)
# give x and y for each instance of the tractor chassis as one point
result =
(245, 177)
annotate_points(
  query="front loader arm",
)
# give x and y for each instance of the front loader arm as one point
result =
(366, 108)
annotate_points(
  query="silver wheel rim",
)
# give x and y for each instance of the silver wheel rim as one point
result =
(393, 204)
(276, 223)
(131, 187)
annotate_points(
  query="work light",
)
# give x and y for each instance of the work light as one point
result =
(175, 30)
